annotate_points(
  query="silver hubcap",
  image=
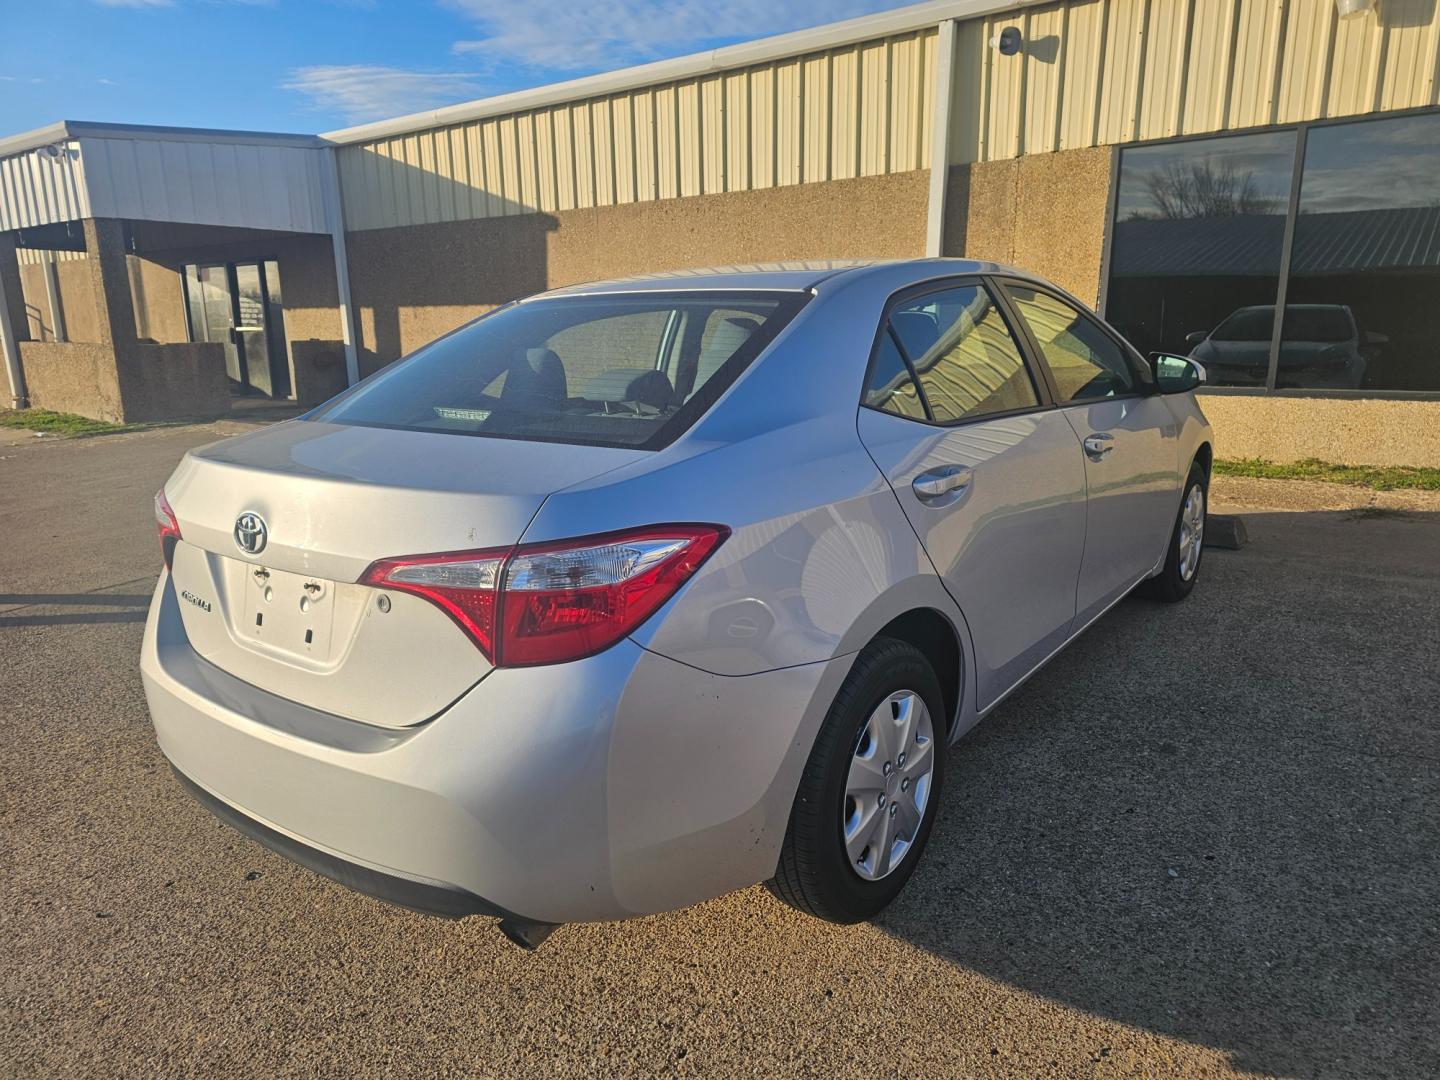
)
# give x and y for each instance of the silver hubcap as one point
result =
(888, 790)
(1192, 531)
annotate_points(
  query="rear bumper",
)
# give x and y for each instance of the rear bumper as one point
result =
(619, 785)
(444, 901)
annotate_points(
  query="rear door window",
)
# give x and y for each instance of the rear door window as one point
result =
(955, 347)
(631, 370)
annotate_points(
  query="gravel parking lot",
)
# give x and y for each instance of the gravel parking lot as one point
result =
(1204, 841)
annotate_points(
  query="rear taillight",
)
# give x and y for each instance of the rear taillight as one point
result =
(167, 526)
(461, 583)
(554, 602)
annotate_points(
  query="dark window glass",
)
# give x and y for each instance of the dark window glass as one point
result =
(1199, 228)
(1085, 361)
(1362, 309)
(626, 371)
(890, 386)
(967, 361)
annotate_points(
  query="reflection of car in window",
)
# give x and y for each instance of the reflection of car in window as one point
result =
(1321, 346)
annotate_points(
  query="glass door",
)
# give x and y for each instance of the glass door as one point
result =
(212, 313)
(251, 334)
(238, 305)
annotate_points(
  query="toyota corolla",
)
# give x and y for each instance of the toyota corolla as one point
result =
(631, 594)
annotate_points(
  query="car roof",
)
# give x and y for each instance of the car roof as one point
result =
(780, 276)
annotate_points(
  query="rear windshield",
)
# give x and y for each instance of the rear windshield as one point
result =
(1322, 322)
(1247, 324)
(1318, 324)
(624, 371)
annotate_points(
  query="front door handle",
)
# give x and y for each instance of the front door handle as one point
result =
(1099, 444)
(934, 483)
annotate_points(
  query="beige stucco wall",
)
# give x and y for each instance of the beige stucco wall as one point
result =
(38, 319)
(155, 292)
(1371, 431)
(1044, 212)
(75, 377)
(168, 382)
(147, 382)
(158, 293)
(412, 284)
(77, 300)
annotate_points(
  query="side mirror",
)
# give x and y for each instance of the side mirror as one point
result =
(1196, 338)
(1176, 374)
(1374, 337)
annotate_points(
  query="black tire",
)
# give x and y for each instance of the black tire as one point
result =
(1170, 586)
(815, 874)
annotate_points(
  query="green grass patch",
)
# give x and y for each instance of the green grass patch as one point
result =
(58, 423)
(1375, 477)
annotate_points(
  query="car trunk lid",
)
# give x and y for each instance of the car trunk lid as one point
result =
(331, 499)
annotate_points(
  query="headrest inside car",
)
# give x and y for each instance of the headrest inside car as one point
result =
(647, 387)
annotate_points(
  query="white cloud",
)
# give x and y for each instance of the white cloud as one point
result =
(567, 36)
(367, 92)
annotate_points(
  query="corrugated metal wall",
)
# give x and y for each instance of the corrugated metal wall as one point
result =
(40, 188)
(862, 110)
(249, 185)
(219, 182)
(36, 257)
(1116, 71)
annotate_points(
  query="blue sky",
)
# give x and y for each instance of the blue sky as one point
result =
(316, 65)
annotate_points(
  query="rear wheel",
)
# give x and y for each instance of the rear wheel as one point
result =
(1187, 542)
(870, 790)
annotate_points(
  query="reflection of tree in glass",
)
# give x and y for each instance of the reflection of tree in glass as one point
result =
(1204, 188)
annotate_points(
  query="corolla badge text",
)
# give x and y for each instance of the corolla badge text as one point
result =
(191, 598)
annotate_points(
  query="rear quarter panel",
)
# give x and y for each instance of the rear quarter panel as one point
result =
(820, 554)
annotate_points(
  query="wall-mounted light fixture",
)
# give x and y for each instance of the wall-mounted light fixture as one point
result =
(1351, 9)
(1008, 41)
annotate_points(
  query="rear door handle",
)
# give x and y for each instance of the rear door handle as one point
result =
(1099, 444)
(935, 483)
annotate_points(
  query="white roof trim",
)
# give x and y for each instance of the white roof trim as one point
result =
(746, 54)
(835, 35)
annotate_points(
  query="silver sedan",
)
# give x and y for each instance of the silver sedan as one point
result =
(630, 594)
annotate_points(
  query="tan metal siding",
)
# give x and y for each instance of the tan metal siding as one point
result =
(860, 110)
(1098, 72)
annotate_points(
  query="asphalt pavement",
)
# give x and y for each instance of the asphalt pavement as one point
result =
(1204, 841)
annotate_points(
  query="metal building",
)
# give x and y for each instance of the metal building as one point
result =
(1192, 167)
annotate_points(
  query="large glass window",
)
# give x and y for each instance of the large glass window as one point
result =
(1196, 264)
(1362, 310)
(1195, 254)
(957, 344)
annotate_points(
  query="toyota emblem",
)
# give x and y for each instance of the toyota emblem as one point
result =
(250, 533)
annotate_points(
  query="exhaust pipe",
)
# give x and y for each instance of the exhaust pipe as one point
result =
(527, 934)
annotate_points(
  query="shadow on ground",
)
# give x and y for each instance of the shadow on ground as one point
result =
(1218, 821)
(29, 609)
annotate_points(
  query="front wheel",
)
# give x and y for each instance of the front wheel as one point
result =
(870, 790)
(1187, 543)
